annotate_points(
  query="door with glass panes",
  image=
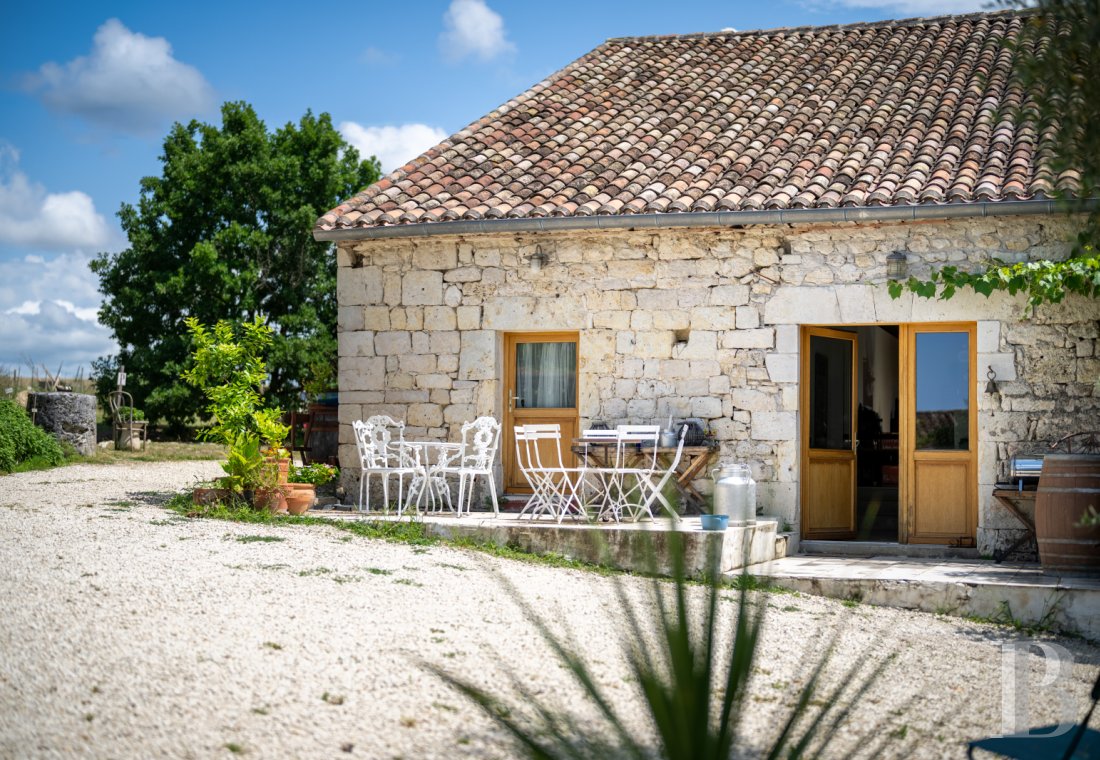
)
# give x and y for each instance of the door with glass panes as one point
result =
(540, 387)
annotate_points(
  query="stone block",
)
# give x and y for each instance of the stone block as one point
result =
(394, 342)
(729, 295)
(989, 337)
(439, 318)
(349, 318)
(417, 364)
(411, 318)
(714, 318)
(748, 317)
(468, 317)
(787, 339)
(856, 303)
(1004, 364)
(641, 410)
(433, 381)
(752, 400)
(376, 318)
(362, 373)
(773, 426)
(444, 342)
(422, 288)
(782, 368)
(357, 343)
(702, 344)
(707, 407)
(463, 274)
(760, 338)
(653, 344)
(477, 357)
(441, 257)
(358, 286)
(456, 414)
(424, 415)
(791, 305)
(614, 320)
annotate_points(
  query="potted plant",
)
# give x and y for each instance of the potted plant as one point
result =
(303, 484)
(130, 425)
(228, 367)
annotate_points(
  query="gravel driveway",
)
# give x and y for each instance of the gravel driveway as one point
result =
(128, 632)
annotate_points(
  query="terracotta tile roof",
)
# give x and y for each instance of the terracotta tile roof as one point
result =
(911, 112)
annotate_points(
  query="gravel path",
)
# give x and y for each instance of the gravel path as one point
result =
(128, 632)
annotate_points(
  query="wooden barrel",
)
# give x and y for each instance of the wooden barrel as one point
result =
(1068, 485)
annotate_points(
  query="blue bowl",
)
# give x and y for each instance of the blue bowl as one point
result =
(714, 522)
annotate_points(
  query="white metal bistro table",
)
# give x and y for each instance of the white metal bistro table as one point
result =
(433, 455)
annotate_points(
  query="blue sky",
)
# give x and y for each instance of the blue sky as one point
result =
(88, 92)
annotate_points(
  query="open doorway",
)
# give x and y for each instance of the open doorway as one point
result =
(851, 470)
(877, 439)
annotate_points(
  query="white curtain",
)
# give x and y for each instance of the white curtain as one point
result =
(546, 375)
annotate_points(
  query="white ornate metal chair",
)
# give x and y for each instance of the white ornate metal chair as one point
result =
(380, 455)
(557, 490)
(480, 441)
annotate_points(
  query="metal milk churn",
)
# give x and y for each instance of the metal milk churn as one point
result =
(735, 493)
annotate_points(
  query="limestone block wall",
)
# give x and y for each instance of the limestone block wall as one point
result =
(702, 323)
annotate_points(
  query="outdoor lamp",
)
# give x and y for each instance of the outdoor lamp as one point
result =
(537, 259)
(897, 266)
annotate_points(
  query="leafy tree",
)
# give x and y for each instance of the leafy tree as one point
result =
(1057, 61)
(225, 234)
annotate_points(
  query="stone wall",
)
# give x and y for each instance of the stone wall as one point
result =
(702, 323)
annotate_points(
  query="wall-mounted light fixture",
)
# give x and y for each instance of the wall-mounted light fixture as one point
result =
(897, 265)
(538, 259)
(991, 386)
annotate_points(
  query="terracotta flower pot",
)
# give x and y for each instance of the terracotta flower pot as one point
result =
(206, 496)
(300, 497)
(271, 499)
(284, 468)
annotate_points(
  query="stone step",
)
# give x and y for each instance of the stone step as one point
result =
(1013, 593)
(884, 549)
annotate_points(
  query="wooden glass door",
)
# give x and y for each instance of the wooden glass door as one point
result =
(939, 431)
(828, 433)
(540, 387)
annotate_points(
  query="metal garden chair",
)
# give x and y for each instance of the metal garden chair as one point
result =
(557, 490)
(480, 441)
(380, 455)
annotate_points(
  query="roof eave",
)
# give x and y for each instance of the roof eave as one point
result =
(711, 219)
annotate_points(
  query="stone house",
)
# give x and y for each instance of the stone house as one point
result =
(700, 226)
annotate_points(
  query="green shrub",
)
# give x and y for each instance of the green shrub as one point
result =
(20, 440)
(124, 414)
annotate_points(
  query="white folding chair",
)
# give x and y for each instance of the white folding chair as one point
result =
(556, 489)
(480, 441)
(651, 489)
(380, 455)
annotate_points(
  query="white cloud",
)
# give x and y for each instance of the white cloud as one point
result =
(911, 7)
(394, 146)
(129, 82)
(31, 217)
(470, 27)
(48, 309)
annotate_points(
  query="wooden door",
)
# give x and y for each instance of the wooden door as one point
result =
(540, 387)
(828, 433)
(939, 434)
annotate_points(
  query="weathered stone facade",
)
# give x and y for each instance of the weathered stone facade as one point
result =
(702, 323)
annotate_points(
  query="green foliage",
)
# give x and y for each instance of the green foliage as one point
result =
(694, 685)
(228, 367)
(1042, 281)
(245, 466)
(1057, 56)
(317, 473)
(225, 232)
(22, 442)
(125, 411)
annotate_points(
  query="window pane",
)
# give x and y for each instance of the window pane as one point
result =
(546, 375)
(943, 391)
(830, 393)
